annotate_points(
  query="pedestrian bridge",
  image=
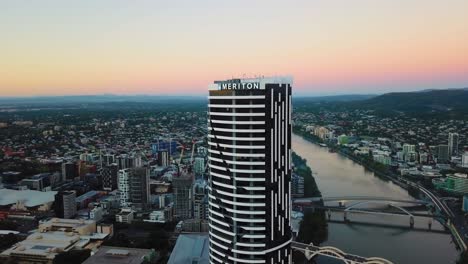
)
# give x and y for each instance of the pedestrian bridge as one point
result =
(310, 251)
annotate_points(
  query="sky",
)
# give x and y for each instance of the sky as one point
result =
(56, 47)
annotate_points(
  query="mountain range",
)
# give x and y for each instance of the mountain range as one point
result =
(430, 101)
(421, 102)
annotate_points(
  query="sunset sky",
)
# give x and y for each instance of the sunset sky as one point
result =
(179, 47)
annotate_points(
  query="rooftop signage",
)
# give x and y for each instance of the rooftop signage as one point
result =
(239, 85)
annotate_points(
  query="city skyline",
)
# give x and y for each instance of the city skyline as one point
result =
(56, 48)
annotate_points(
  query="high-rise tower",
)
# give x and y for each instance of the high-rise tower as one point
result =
(250, 170)
(453, 144)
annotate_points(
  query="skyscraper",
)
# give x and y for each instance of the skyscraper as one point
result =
(183, 196)
(134, 187)
(69, 171)
(443, 154)
(250, 170)
(199, 166)
(163, 158)
(65, 204)
(109, 177)
(453, 144)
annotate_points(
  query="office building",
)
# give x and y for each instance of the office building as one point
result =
(250, 170)
(297, 185)
(65, 204)
(190, 248)
(36, 183)
(464, 163)
(443, 154)
(170, 146)
(183, 197)
(109, 177)
(408, 148)
(107, 159)
(163, 158)
(453, 144)
(200, 199)
(465, 204)
(199, 166)
(423, 157)
(456, 184)
(134, 187)
(409, 153)
(69, 171)
(126, 161)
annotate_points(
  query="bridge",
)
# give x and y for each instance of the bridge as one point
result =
(364, 200)
(310, 200)
(310, 251)
(441, 206)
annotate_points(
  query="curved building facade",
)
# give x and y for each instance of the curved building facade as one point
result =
(249, 137)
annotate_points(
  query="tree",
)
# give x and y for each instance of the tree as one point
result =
(159, 240)
(313, 228)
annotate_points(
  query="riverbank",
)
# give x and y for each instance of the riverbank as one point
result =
(339, 176)
(302, 170)
(368, 165)
(313, 227)
(380, 172)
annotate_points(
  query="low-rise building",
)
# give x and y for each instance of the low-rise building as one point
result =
(96, 213)
(125, 216)
(118, 255)
(190, 248)
(27, 200)
(161, 216)
(454, 183)
(53, 237)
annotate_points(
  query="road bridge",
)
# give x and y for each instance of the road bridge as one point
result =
(384, 225)
(366, 200)
(309, 200)
(437, 202)
(366, 211)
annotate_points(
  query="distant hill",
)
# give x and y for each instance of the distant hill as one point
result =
(454, 101)
(114, 103)
(90, 99)
(332, 98)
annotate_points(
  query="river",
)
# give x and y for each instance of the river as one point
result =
(339, 176)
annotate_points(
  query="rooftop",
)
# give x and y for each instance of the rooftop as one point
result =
(116, 255)
(45, 245)
(30, 198)
(249, 83)
(190, 248)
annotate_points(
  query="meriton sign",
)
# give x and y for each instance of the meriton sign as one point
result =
(240, 86)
